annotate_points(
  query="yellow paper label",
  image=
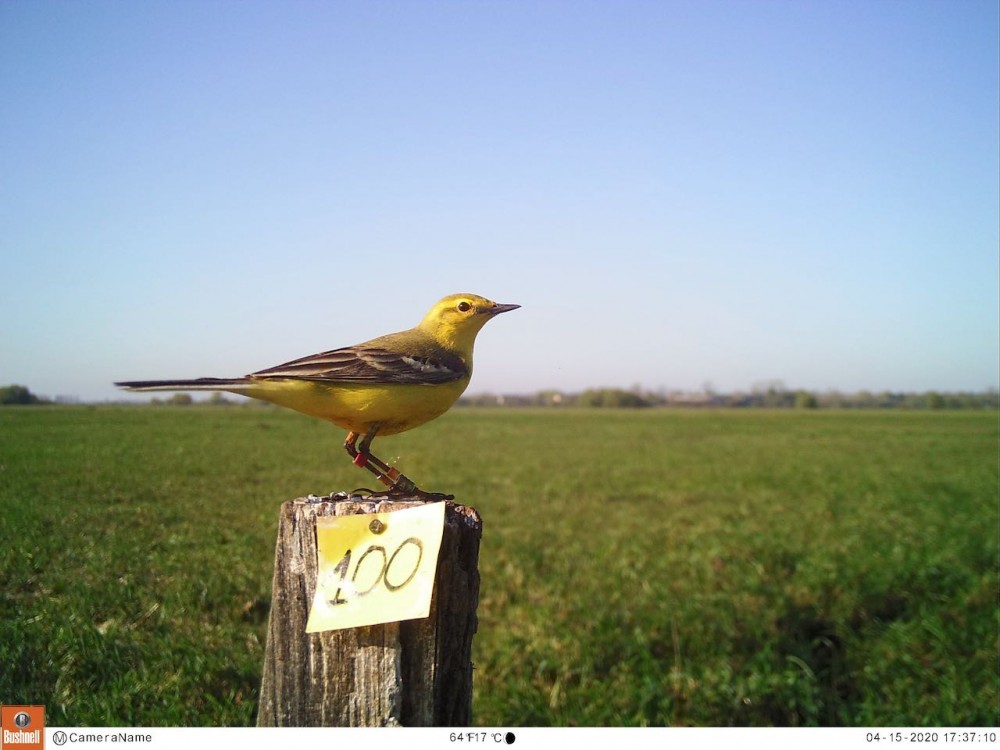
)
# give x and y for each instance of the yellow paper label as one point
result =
(375, 568)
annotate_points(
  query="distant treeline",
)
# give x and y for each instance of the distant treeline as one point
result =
(774, 397)
(18, 394)
(770, 398)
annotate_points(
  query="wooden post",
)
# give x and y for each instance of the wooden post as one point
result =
(410, 673)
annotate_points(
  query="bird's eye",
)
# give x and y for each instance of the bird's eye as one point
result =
(464, 306)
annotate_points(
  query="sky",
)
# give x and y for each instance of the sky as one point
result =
(679, 194)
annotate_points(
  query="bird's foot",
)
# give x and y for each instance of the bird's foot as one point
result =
(403, 486)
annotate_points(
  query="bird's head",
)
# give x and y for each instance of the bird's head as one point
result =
(455, 320)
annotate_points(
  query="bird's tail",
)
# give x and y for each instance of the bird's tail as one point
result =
(198, 384)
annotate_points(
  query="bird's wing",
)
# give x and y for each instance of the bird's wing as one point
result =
(369, 364)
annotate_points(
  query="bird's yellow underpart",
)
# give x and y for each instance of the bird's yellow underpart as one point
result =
(358, 407)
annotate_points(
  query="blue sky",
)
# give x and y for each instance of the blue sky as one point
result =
(678, 193)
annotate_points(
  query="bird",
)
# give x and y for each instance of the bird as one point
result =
(384, 386)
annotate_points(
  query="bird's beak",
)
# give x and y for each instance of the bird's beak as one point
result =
(497, 309)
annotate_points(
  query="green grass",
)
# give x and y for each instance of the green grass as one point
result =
(638, 568)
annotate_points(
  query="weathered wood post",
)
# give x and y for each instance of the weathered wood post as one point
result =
(410, 673)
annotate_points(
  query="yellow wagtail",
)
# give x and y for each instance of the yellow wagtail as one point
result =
(382, 387)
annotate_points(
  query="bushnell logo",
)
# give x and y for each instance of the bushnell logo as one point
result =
(22, 727)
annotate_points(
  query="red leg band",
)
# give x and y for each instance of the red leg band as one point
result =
(360, 460)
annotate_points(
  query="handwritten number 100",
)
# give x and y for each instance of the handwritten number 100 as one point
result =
(385, 574)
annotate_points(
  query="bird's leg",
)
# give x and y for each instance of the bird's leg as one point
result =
(390, 477)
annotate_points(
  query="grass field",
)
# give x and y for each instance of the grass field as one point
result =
(638, 568)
